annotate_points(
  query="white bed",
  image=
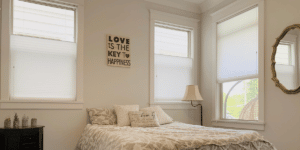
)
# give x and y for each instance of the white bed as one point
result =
(173, 136)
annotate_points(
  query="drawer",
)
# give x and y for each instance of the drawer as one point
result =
(29, 139)
(29, 132)
(30, 147)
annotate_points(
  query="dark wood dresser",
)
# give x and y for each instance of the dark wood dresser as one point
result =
(23, 138)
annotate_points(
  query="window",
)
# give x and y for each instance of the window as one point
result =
(172, 58)
(240, 99)
(43, 52)
(284, 54)
(239, 66)
(237, 62)
(172, 62)
(42, 60)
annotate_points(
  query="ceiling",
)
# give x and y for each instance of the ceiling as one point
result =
(195, 1)
(196, 6)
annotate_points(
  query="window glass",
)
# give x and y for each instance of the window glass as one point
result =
(173, 68)
(240, 99)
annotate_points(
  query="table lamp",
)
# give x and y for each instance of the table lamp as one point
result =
(192, 94)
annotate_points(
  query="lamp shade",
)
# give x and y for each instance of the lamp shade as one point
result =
(192, 93)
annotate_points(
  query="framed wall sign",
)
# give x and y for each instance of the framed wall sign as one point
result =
(118, 51)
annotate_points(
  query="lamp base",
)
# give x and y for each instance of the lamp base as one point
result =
(201, 110)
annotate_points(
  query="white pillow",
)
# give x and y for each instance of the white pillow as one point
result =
(102, 116)
(162, 117)
(143, 119)
(122, 113)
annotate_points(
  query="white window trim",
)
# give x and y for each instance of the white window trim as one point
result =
(5, 101)
(226, 12)
(291, 40)
(292, 47)
(158, 16)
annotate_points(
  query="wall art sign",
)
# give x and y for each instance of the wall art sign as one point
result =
(118, 51)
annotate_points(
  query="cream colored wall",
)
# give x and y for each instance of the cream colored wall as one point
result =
(281, 110)
(105, 86)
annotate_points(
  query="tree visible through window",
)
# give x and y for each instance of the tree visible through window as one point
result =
(241, 96)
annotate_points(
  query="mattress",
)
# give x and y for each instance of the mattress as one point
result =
(174, 136)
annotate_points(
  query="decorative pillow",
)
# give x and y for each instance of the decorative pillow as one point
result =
(143, 119)
(122, 113)
(102, 116)
(162, 117)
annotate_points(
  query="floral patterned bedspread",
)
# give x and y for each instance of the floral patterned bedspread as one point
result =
(174, 136)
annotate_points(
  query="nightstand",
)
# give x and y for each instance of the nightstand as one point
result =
(23, 138)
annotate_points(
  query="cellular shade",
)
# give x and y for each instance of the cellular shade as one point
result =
(171, 42)
(42, 68)
(283, 54)
(172, 75)
(40, 19)
(237, 47)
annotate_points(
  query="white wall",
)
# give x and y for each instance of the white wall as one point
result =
(105, 86)
(281, 110)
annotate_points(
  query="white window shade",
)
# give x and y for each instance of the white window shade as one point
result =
(42, 69)
(172, 75)
(40, 19)
(171, 42)
(237, 47)
(283, 54)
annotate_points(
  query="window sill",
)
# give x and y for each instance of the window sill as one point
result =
(173, 105)
(253, 125)
(58, 105)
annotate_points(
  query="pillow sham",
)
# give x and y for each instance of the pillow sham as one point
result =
(163, 118)
(143, 119)
(122, 113)
(102, 116)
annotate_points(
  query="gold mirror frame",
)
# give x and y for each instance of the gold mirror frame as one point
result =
(274, 78)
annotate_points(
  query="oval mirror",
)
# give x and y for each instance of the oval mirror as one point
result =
(286, 61)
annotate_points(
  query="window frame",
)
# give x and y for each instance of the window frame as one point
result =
(6, 30)
(228, 12)
(291, 41)
(182, 23)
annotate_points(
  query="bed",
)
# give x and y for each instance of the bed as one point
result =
(173, 136)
